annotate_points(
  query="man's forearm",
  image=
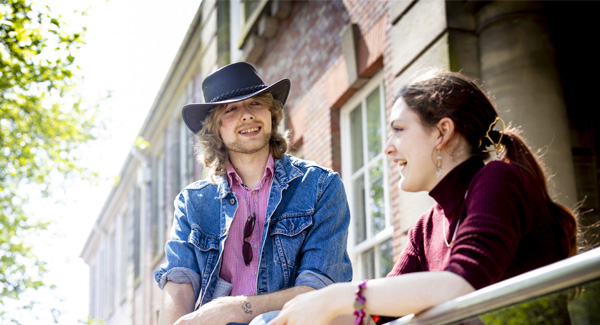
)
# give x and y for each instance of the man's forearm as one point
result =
(177, 300)
(242, 309)
(252, 306)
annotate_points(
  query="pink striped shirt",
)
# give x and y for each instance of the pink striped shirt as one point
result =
(233, 269)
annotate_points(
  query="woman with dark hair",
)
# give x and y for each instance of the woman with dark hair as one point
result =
(491, 222)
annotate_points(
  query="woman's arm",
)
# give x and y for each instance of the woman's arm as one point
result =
(393, 296)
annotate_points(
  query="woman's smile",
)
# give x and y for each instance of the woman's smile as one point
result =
(411, 141)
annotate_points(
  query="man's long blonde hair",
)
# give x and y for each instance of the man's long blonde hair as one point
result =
(211, 149)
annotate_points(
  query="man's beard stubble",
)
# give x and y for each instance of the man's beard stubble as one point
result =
(238, 147)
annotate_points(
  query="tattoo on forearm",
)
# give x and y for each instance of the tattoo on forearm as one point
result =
(247, 307)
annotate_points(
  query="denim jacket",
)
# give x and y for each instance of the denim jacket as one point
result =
(303, 243)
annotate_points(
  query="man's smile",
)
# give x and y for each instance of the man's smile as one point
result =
(250, 130)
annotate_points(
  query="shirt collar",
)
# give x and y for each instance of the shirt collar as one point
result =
(450, 191)
(233, 176)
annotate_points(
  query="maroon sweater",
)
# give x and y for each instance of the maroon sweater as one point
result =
(505, 226)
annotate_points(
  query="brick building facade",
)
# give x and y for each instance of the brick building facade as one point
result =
(346, 60)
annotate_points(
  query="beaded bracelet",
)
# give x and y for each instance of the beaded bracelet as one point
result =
(359, 305)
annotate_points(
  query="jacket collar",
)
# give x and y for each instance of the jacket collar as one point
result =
(285, 171)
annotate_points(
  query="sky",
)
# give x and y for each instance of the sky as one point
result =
(130, 45)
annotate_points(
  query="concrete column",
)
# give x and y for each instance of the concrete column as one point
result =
(518, 67)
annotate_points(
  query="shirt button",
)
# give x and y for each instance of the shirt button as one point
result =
(232, 201)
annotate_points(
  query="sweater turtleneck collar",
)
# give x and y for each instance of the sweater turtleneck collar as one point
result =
(450, 191)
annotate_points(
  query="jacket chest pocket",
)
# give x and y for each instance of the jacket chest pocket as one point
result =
(288, 236)
(207, 250)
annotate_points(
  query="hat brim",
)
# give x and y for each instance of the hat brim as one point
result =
(194, 114)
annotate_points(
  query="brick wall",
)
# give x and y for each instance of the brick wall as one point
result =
(390, 96)
(308, 51)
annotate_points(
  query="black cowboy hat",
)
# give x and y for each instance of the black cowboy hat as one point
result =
(232, 83)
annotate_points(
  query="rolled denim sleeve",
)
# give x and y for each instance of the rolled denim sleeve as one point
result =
(324, 253)
(181, 265)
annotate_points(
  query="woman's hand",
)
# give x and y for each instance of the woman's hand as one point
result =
(318, 307)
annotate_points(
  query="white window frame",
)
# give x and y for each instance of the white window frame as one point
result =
(235, 29)
(136, 232)
(186, 153)
(93, 303)
(124, 241)
(102, 277)
(110, 272)
(160, 217)
(372, 241)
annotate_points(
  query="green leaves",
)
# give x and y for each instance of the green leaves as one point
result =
(41, 127)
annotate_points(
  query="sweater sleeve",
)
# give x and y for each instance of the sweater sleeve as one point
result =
(492, 227)
(409, 260)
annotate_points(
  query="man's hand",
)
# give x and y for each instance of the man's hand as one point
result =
(220, 311)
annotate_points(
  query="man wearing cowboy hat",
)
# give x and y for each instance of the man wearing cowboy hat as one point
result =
(265, 227)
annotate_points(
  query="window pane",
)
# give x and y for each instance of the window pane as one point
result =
(376, 205)
(174, 160)
(374, 124)
(359, 215)
(125, 251)
(160, 209)
(136, 233)
(386, 258)
(110, 283)
(356, 137)
(154, 213)
(249, 6)
(368, 263)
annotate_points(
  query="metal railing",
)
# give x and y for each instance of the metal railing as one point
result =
(573, 271)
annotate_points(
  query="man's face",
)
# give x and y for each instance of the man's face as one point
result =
(246, 127)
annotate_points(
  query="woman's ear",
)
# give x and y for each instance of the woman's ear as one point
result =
(445, 127)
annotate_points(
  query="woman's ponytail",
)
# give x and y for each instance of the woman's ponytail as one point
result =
(516, 152)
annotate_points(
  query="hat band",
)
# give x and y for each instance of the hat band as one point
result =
(238, 92)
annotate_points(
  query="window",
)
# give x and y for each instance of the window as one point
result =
(248, 9)
(125, 250)
(158, 212)
(93, 291)
(235, 30)
(365, 172)
(110, 264)
(174, 158)
(136, 237)
(102, 289)
(186, 151)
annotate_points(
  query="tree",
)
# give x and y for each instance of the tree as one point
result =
(41, 126)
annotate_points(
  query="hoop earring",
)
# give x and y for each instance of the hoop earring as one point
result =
(438, 164)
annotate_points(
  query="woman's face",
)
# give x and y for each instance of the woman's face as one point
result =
(413, 147)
